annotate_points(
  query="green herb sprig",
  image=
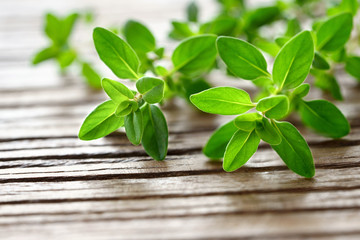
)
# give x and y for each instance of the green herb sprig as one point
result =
(144, 122)
(238, 140)
(59, 31)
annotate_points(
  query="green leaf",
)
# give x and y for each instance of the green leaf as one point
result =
(221, 26)
(45, 54)
(66, 58)
(293, 27)
(161, 71)
(125, 108)
(192, 86)
(53, 24)
(117, 91)
(261, 16)
(68, 25)
(327, 82)
(155, 136)
(116, 54)
(240, 149)
(345, 6)
(294, 150)
(195, 55)
(242, 58)
(302, 90)
(352, 66)
(293, 62)
(334, 33)
(139, 37)
(159, 52)
(320, 62)
(151, 88)
(325, 118)
(216, 145)
(91, 76)
(192, 11)
(222, 100)
(101, 122)
(281, 41)
(275, 107)
(247, 121)
(180, 31)
(134, 127)
(267, 132)
(267, 46)
(59, 30)
(339, 56)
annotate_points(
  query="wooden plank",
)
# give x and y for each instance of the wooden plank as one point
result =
(305, 224)
(166, 183)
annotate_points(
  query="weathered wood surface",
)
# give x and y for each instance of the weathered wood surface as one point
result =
(54, 186)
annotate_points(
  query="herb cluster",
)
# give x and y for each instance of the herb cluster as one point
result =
(217, 44)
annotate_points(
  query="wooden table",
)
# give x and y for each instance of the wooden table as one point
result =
(54, 186)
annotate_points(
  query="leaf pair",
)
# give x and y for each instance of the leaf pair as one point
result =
(237, 146)
(291, 66)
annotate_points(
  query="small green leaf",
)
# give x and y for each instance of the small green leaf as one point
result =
(216, 145)
(222, 100)
(68, 25)
(327, 82)
(66, 58)
(325, 118)
(240, 149)
(334, 33)
(161, 71)
(267, 46)
(242, 58)
(53, 24)
(293, 27)
(134, 127)
(116, 54)
(117, 91)
(91, 76)
(192, 86)
(101, 122)
(195, 55)
(45, 54)
(281, 41)
(293, 62)
(275, 107)
(345, 6)
(139, 37)
(267, 132)
(247, 121)
(261, 16)
(192, 11)
(151, 88)
(155, 136)
(221, 26)
(180, 31)
(302, 90)
(352, 66)
(294, 150)
(59, 30)
(125, 108)
(160, 52)
(320, 62)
